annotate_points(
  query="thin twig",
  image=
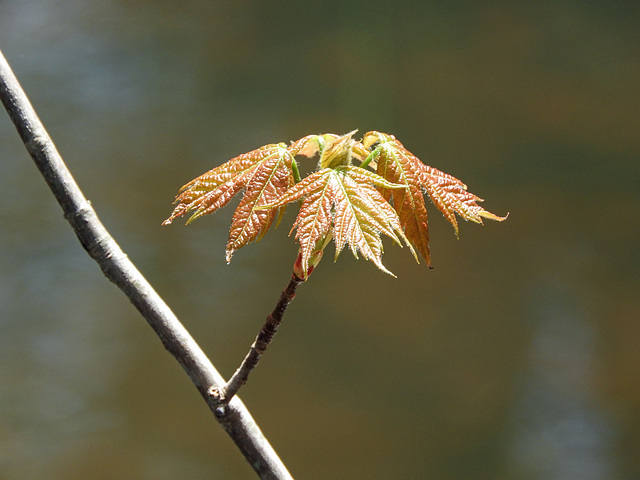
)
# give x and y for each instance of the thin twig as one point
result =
(234, 417)
(261, 342)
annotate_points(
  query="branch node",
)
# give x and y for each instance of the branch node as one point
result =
(262, 341)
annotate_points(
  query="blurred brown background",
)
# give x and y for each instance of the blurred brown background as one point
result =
(515, 358)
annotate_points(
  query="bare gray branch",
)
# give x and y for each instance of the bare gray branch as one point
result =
(114, 263)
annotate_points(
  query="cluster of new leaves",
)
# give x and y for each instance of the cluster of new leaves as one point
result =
(349, 203)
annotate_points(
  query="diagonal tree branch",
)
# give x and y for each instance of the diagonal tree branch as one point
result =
(116, 266)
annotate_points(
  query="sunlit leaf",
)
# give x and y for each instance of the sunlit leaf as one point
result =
(396, 164)
(343, 202)
(264, 174)
(350, 204)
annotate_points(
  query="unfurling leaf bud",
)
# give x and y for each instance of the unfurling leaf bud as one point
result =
(338, 152)
(314, 260)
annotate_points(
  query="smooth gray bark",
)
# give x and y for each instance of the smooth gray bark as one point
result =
(116, 266)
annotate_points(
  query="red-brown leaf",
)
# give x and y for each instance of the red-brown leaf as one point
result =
(343, 202)
(350, 204)
(396, 164)
(264, 174)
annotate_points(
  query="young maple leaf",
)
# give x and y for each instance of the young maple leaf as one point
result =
(350, 204)
(333, 150)
(264, 174)
(342, 201)
(399, 166)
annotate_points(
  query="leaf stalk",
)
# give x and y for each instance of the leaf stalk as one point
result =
(262, 341)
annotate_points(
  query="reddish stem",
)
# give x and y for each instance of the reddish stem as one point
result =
(261, 342)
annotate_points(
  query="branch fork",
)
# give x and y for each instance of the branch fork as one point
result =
(223, 395)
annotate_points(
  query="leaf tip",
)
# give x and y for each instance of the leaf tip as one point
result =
(389, 272)
(491, 216)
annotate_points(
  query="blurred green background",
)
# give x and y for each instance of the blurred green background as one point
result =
(517, 357)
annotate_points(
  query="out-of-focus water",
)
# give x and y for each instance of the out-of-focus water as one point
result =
(515, 358)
